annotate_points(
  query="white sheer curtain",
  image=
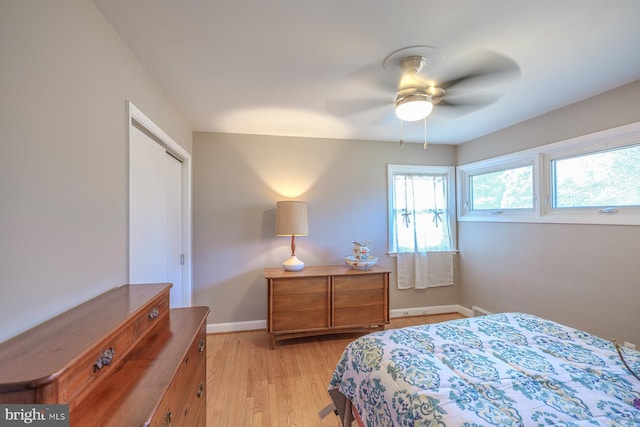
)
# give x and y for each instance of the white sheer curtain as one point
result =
(422, 231)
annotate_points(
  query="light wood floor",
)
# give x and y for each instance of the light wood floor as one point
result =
(249, 384)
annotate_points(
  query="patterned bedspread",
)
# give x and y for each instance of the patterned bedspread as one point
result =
(508, 369)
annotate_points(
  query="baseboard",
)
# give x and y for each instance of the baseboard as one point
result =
(423, 311)
(218, 328)
(477, 311)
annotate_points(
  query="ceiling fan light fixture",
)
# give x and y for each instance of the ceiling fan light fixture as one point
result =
(413, 107)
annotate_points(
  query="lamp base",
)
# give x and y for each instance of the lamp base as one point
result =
(293, 264)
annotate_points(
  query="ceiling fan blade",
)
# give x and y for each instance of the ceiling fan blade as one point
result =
(376, 112)
(471, 100)
(349, 107)
(374, 76)
(458, 109)
(489, 68)
(461, 105)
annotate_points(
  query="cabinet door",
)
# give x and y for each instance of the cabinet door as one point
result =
(299, 304)
(360, 300)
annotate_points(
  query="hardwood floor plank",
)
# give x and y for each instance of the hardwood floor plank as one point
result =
(250, 384)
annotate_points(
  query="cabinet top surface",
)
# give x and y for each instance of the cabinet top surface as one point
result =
(326, 270)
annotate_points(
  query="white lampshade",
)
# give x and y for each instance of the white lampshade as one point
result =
(291, 220)
(413, 107)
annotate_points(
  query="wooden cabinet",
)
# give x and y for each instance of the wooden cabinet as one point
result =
(121, 359)
(325, 300)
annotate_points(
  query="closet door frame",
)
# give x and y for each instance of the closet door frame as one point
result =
(134, 116)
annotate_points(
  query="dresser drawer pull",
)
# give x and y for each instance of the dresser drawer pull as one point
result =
(166, 422)
(104, 360)
(200, 391)
(154, 313)
(201, 345)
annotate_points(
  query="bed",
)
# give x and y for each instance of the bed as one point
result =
(506, 369)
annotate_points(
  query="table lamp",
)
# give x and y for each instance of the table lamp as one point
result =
(291, 220)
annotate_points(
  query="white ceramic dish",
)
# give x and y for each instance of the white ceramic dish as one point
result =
(358, 264)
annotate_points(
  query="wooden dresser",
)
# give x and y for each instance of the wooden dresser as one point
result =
(120, 359)
(326, 300)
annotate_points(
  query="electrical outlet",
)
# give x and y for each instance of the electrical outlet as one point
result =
(406, 313)
(630, 345)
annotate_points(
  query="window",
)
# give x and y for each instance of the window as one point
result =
(421, 208)
(504, 187)
(604, 179)
(592, 179)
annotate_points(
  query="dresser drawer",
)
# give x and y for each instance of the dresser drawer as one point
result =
(94, 364)
(358, 298)
(302, 302)
(196, 396)
(359, 316)
(358, 283)
(151, 315)
(286, 321)
(307, 285)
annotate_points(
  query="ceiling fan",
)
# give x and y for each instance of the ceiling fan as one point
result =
(420, 83)
(414, 98)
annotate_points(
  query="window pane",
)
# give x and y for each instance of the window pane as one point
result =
(505, 189)
(420, 213)
(607, 178)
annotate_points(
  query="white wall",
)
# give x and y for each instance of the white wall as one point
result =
(239, 178)
(66, 75)
(586, 276)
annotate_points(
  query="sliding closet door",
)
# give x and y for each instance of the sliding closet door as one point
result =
(155, 214)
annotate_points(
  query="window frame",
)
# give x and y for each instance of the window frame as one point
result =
(587, 214)
(542, 157)
(467, 172)
(447, 171)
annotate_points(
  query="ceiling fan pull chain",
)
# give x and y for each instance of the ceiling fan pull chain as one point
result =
(425, 134)
(401, 134)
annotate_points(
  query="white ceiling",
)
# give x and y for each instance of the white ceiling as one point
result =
(293, 67)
